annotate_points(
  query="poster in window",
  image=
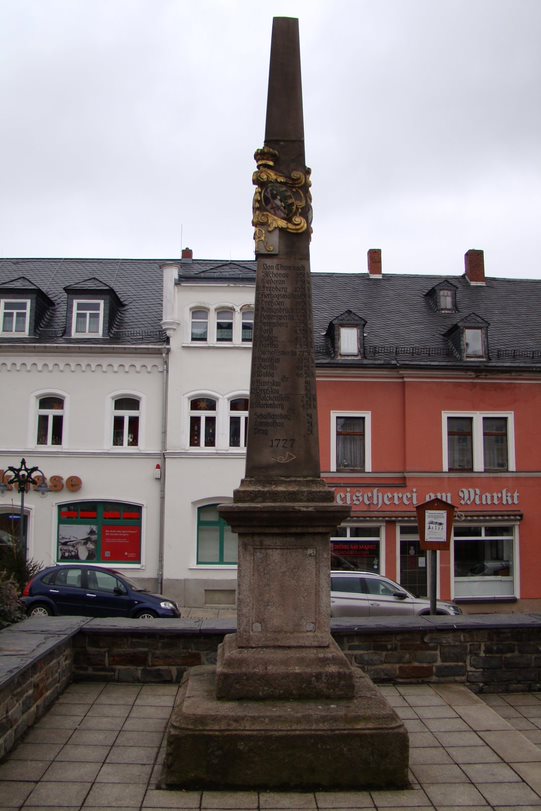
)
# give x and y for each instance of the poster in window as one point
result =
(77, 542)
(121, 544)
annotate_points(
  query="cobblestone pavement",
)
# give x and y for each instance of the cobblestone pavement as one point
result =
(100, 746)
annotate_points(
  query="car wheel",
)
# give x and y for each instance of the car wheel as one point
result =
(39, 610)
(146, 614)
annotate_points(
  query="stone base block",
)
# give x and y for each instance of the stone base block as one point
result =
(276, 673)
(283, 745)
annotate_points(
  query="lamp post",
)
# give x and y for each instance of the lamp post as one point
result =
(24, 477)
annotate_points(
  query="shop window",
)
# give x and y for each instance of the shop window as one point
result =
(351, 442)
(14, 317)
(202, 422)
(224, 326)
(247, 326)
(238, 422)
(484, 561)
(200, 325)
(126, 415)
(216, 541)
(356, 549)
(99, 532)
(50, 420)
(479, 442)
(87, 319)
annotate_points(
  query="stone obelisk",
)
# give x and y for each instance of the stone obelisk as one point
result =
(283, 512)
(283, 709)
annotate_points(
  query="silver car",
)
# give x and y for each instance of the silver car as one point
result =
(365, 594)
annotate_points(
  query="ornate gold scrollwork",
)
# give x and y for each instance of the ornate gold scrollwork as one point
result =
(278, 201)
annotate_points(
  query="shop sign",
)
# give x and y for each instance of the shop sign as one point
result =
(377, 498)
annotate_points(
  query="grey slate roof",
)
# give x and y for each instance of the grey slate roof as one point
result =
(402, 326)
(136, 282)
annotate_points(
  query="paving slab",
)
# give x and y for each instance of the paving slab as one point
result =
(489, 764)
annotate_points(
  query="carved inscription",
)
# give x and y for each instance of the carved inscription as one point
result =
(283, 397)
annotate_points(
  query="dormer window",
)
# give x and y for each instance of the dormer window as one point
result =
(469, 337)
(87, 319)
(345, 335)
(443, 297)
(349, 341)
(94, 310)
(445, 300)
(473, 343)
(24, 308)
(15, 317)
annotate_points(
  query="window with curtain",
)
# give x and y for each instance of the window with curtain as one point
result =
(50, 420)
(202, 422)
(460, 443)
(350, 443)
(224, 326)
(238, 422)
(200, 325)
(126, 414)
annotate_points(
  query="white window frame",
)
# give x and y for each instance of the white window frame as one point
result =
(191, 339)
(86, 333)
(514, 578)
(367, 439)
(349, 341)
(246, 310)
(50, 413)
(212, 313)
(15, 333)
(481, 355)
(202, 416)
(243, 423)
(232, 319)
(126, 413)
(477, 439)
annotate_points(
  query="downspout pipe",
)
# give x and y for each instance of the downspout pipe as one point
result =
(163, 476)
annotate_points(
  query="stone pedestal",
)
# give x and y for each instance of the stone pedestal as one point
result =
(284, 745)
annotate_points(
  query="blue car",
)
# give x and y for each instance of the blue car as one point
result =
(92, 591)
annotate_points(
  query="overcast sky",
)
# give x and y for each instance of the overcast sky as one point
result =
(128, 127)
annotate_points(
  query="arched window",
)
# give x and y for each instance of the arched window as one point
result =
(216, 541)
(126, 413)
(200, 325)
(202, 422)
(224, 325)
(247, 326)
(238, 422)
(50, 420)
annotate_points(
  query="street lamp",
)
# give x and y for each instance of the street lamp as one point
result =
(24, 477)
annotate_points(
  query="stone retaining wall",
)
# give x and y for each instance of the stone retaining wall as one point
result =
(29, 693)
(487, 653)
(39, 657)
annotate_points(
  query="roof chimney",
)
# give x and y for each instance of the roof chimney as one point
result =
(374, 263)
(187, 255)
(474, 263)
